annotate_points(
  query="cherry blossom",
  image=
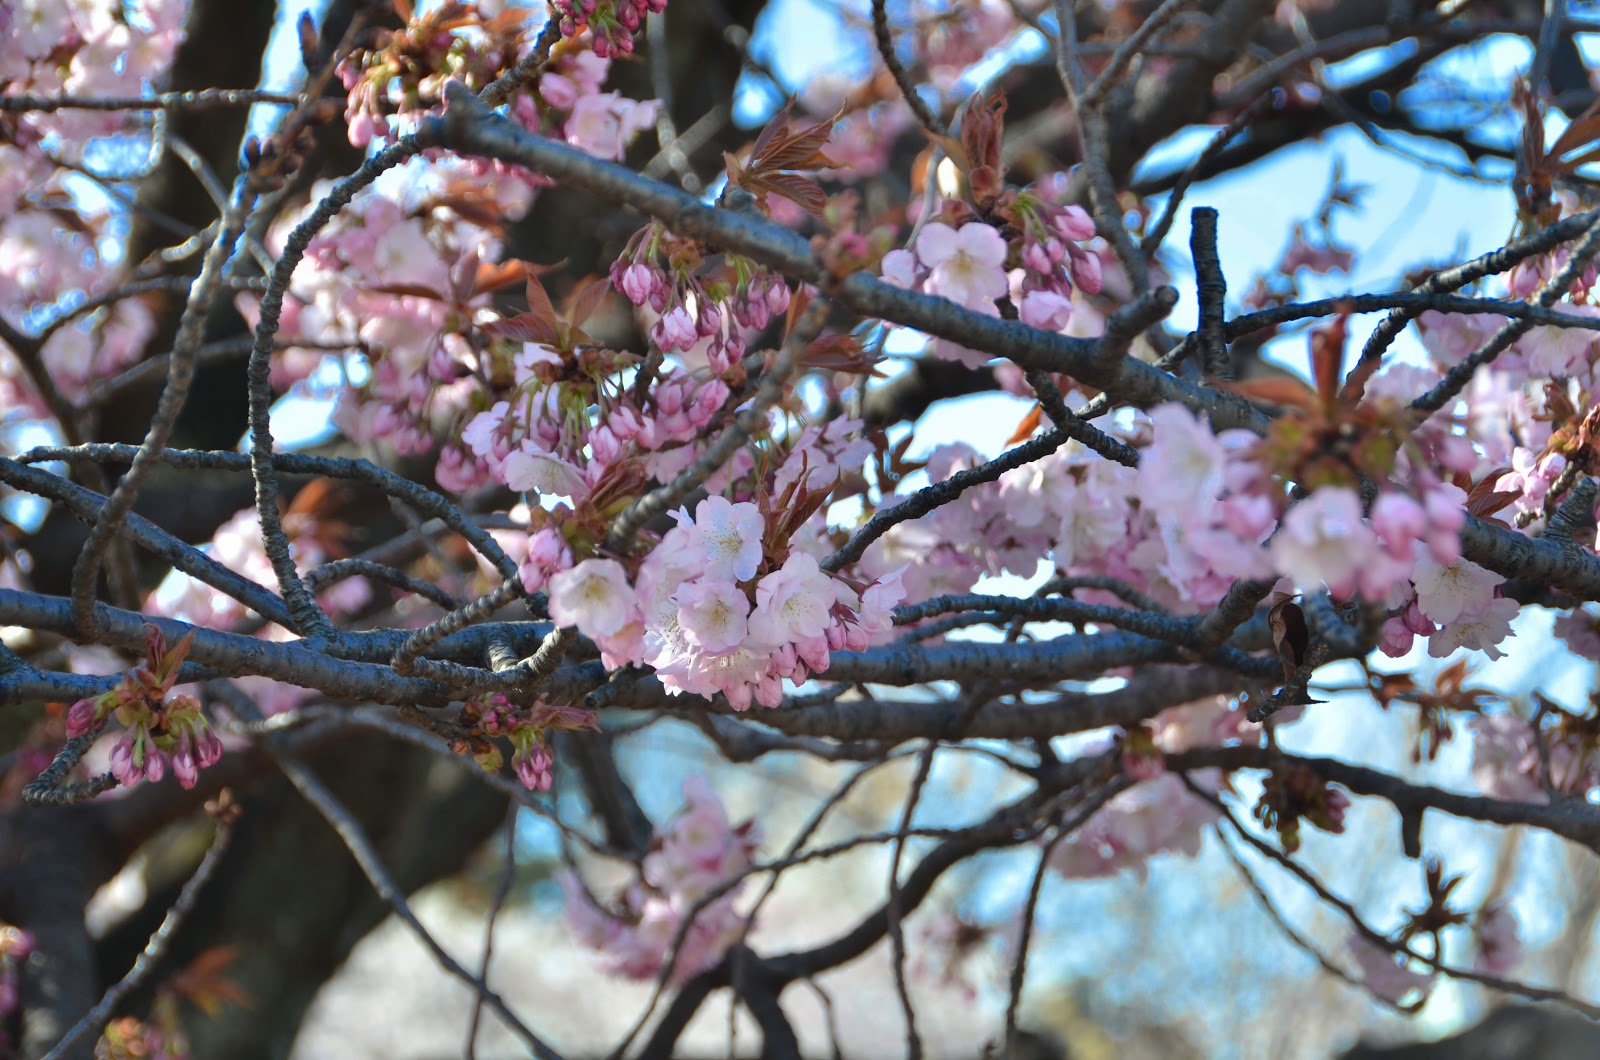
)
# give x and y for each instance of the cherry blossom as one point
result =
(792, 602)
(698, 851)
(1325, 540)
(1156, 817)
(966, 264)
(1499, 950)
(594, 596)
(726, 537)
(1482, 630)
(1383, 973)
(1446, 592)
(713, 614)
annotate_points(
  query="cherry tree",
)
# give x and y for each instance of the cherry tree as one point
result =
(632, 424)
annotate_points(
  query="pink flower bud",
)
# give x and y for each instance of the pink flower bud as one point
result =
(1074, 223)
(1086, 271)
(81, 717)
(1396, 639)
(1399, 521)
(707, 400)
(675, 330)
(709, 321)
(1035, 258)
(184, 766)
(777, 296)
(637, 282)
(558, 91)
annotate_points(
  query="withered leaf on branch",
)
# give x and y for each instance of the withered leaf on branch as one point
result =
(1290, 635)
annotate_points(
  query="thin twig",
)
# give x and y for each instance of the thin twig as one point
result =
(96, 1018)
(502, 890)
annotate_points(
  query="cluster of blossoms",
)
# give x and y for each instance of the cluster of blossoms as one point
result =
(399, 80)
(15, 947)
(568, 422)
(611, 23)
(1160, 815)
(397, 278)
(1157, 817)
(706, 321)
(96, 48)
(971, 263)
(496, 716)
(402, 74)
(1195, 515)
(237, 545)
(1497, 951)
(697, 853)
(52, 241)
(720, 606)
(1180, 527)
(1506, 761)
(952, 38)
(405, 278)
(158, 732)
(407, 272)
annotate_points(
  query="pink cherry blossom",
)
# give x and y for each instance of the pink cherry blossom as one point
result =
(594, 596)
(1481, 630)
(675, 331)
(713, 614)
(726, 537)
(792, 602)
(1325, 540)
(1451, 337)
(1580, 632)
(899, 267)
(967, 265)
(1158, 816)
(1531, 475)
(1445, 592)
(605, 124)
(1182, 468)
(529, 468)
(1045, 309)
(1399, 521)
(1382, 972)
(547, 555)
(1499, 950)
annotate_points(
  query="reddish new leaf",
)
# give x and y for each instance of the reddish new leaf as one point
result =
(540, 306)
(1484, 499)
(782, 145)
(1289, 393)
(803, 191)
(1355, 384)
(524, 327)
(582, 303)
(410, 290)
(797, 309)
(492, 277)
(1327, 358)
(1029, 424)
(840, 352)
